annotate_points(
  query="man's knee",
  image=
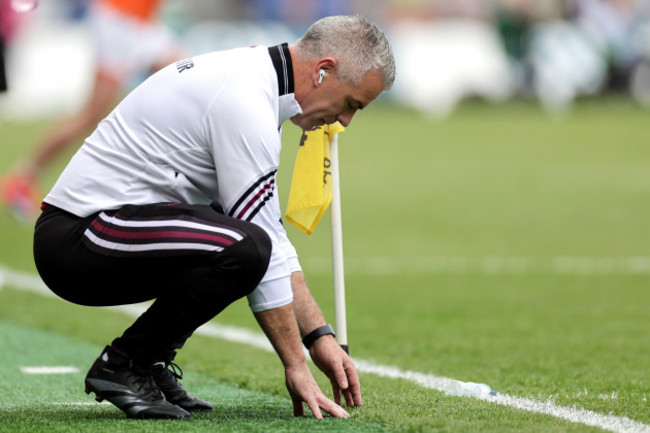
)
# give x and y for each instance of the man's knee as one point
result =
(252, 256)
(263, 247)
(263, 244)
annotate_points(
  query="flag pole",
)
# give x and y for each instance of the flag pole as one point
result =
(337, 249)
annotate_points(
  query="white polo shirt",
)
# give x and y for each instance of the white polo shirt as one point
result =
(205, 129)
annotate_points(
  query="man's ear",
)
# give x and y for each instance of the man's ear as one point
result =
(327, 65)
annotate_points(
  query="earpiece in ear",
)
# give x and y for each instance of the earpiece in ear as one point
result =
(321, 75)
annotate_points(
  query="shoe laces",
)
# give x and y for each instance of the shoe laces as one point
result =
(145, 383)
(175, 370)
(168, 371)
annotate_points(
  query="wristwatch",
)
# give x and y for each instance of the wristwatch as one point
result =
(317, 333)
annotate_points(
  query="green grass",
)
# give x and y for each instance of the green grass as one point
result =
(46, 403)
(491, 181)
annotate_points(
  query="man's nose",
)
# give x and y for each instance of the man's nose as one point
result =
(345, 118)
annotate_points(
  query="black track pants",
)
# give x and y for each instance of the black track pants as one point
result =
(191, 259)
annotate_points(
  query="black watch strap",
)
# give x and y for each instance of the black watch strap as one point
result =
(317, 333)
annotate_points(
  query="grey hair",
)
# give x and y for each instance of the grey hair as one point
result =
(357, 44)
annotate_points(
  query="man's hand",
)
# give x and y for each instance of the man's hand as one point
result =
(303, 388)
(325, 352)
(279, 325)
(339, 368)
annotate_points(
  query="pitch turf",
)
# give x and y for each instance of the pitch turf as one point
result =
(500, 246)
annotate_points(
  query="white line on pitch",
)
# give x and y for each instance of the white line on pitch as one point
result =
(49, 369)
(617, 424)
(564, 265)
(81, 403)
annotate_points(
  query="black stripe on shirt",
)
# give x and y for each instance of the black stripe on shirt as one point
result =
(259, 207)
(244, 197)
(281, 58)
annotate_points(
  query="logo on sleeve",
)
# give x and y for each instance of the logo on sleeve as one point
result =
(184, 65)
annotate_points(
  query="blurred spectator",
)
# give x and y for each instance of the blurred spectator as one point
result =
(128, 42)
(590, 50)
(450, 53)
(610, 26)
(8, 25)
(3, 75)
(513, 20)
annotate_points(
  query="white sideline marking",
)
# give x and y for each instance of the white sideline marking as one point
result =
(81, 403)
(617, 424)
(487, 265)
(49, 370)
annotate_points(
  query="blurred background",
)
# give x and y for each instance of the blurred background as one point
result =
(553, 51)
(495, 201)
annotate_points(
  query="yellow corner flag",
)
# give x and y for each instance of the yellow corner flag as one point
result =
(311, 189)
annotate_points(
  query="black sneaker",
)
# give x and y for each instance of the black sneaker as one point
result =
(130, 388)
(167, 376)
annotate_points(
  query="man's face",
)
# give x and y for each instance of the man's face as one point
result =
(332, 100)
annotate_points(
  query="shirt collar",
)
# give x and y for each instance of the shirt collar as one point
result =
(281, 58)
